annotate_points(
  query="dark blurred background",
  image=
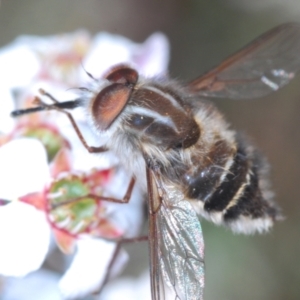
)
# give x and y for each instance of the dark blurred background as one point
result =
(201, 34)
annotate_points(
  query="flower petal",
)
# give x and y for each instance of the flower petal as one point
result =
(24, 236)
(152, 58)
(61, 163)
(17, 54)
(129, 288)
(23, 169)
(89, 267)
(64, 241)
(7, 106)
(107, 50)
(29, 288)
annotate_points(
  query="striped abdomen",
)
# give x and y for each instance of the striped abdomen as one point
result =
(233, 188)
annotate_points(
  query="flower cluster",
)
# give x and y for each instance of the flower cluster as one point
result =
(50, 187)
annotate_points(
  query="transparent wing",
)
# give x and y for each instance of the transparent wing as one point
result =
(176, 247)
(263, 66)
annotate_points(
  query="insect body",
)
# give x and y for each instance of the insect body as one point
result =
(188, 145)
(181, 150)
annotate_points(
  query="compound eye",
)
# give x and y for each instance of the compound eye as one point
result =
(140, 121)
(122, 74)
(109, 103)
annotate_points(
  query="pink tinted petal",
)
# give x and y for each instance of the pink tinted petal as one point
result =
(38, 200)
(152, 58)
(23, 169)
(64, 241)
(89, 267)
(24, 236)
(61, 163)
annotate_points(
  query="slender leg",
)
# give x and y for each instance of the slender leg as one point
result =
(90, 149)
(44, 93)
(124, 200)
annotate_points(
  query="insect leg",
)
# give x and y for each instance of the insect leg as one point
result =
(90, 149)
(44, 93)
(59, 106)
(124, 200)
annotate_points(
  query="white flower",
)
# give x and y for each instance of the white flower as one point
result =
(24, 231)
(150, 58)
(57, 61)
(87, 271)
(25, 236)
(41, 284)
(24, 168)
(7, 106)
(19, 65)
(129, 289)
